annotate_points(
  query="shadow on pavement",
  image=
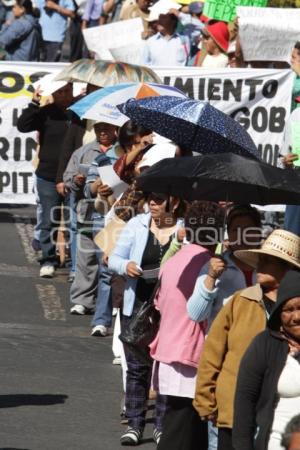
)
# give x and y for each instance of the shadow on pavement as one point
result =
(14, 400)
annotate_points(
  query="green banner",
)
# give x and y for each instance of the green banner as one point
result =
(226, 9)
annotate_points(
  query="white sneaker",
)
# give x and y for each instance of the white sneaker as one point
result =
(47, 271)
(117, 361)
(99, 330)
(79, 310)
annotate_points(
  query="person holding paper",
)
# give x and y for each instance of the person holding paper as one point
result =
(141, 246)
(97, 188)
(103, 151)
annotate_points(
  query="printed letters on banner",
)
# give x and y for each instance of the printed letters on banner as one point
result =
(225, 10)
(259, 99)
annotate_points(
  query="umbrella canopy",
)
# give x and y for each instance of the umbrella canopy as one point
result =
(106, 73)
(226, 177)
(102, 104)
(194, 125)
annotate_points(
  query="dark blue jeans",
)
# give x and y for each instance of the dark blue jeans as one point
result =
(52, 51)
(50, 202)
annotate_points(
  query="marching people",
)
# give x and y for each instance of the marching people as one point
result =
(99, 153)
(222, 379)
(268, 385)
(140, 248)
(83, 290)
(225, 274)
(53, 22)
(243, 317)
(167, 46)
(51, 121)
(177, 347)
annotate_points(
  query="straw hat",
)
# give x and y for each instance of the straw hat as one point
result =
(280, 243)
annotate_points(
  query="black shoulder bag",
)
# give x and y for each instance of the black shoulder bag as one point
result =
(142, 328)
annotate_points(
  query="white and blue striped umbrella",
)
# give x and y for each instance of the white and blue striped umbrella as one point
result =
(101, 105)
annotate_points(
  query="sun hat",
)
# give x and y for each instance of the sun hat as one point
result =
(280, 243)
(219, 32)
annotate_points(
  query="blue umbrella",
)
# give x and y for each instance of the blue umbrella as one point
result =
(192, 124)
(102, 104)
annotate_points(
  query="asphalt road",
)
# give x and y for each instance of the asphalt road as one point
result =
(59, 389)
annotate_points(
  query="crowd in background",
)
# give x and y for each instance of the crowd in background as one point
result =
(224, 366)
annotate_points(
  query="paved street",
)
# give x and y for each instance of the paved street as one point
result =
(59, 389)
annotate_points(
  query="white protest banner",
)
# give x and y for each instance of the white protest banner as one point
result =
(268, 34)
(259, 99)
(131, 54)
(101, 40)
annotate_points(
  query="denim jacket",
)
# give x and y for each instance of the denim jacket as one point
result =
(21, 39)
(130, 247)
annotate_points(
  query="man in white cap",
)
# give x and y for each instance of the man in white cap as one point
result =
(166, 47)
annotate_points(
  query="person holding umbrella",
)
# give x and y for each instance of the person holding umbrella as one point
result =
(239, 321)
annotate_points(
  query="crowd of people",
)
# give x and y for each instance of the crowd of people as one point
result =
(173, 34)
(223, 366)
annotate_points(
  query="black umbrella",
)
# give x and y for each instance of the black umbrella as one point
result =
(225, 177)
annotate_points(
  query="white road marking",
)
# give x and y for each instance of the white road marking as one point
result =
(25, 231)
(51, 302)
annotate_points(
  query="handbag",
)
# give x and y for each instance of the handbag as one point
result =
(142, 328)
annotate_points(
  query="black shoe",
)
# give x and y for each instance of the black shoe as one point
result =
(131, 437)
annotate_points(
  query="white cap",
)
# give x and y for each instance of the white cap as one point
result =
(161, 7)
(9, 3)
(47, 85)
(157, 153)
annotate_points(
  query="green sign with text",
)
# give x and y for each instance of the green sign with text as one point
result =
(226, 9)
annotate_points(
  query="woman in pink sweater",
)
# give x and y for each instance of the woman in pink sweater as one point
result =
(179, 342)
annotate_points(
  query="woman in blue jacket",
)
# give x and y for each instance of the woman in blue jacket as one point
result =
(20, 39)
